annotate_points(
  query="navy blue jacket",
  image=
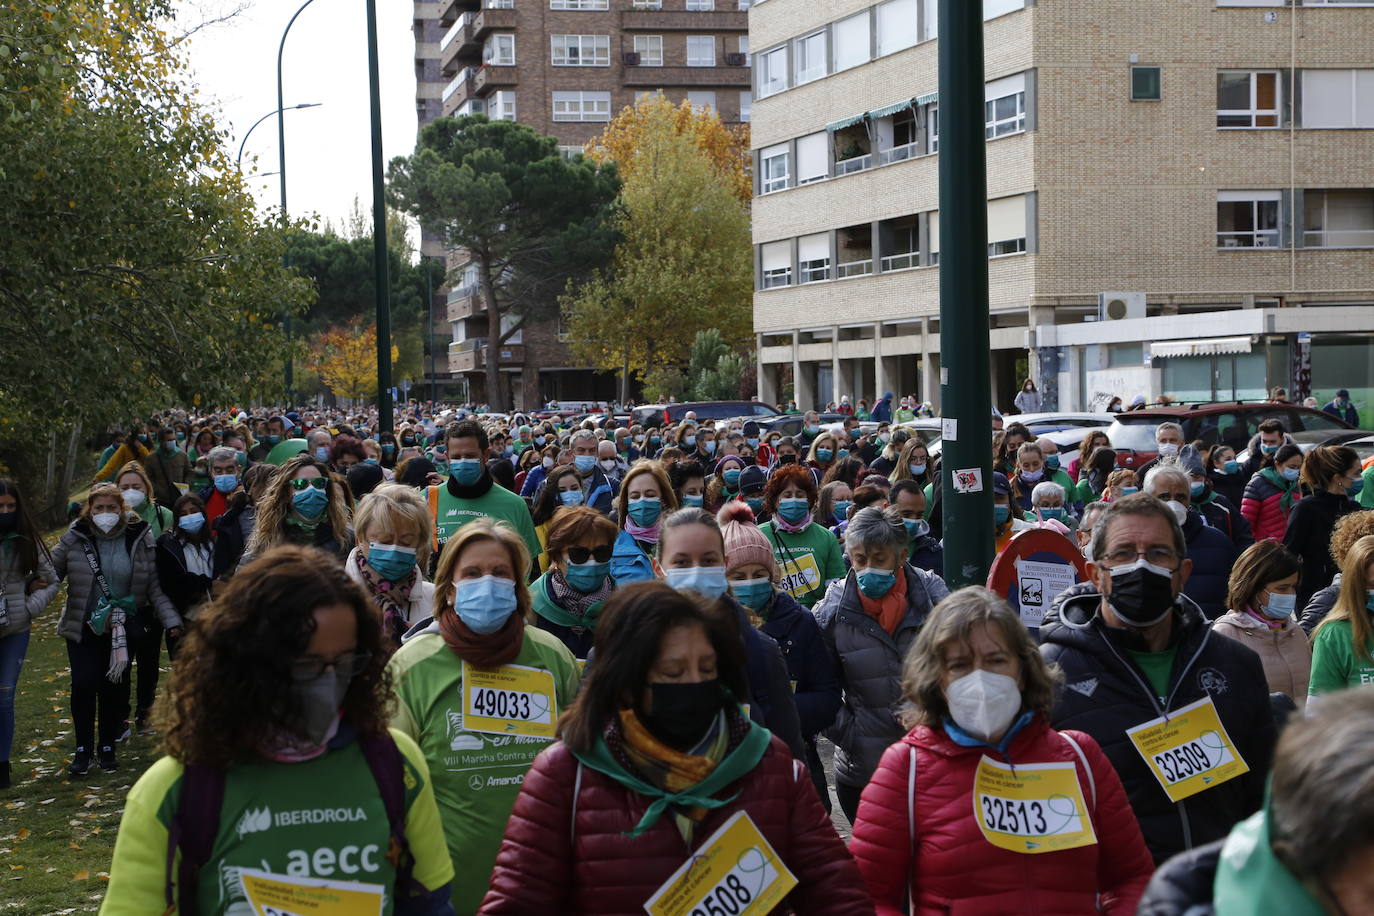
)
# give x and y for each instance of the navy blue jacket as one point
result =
(928, 554)
(816, 685)
(1213, 555)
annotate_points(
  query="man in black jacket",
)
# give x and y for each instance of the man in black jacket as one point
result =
(1133, 650)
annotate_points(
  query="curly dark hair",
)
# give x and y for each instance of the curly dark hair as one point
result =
(228, 697)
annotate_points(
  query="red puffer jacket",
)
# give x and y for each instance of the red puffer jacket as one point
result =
(957, 870)
(553, 863)
(1262, 507)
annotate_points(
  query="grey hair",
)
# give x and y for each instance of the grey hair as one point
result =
(1322, 795)
(1139, 504)
(1164, 470)
(873, 528)
(1092, 513)
(583, 433)
(221, 453)
(1167, 425)
(1047, 488)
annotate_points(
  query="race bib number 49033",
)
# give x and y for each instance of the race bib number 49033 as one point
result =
(1033, 808)
(1188, 751)
(734, 873)
(282, 895)
(510, 700)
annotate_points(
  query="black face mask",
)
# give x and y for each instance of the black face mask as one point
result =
(1142, 594)
(9, 521)
(682, 712)
(787, 459)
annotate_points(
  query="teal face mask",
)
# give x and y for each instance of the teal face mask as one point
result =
(731, 478)
(1197, 488)
(875, 583)
(587, 577)
(690, 501)
(842, 509)
(466, 471)
(1052, 462)
(824, 454)
(645, 512)
(752, 593)
(916, 527)
(1053, 512)
(1000, 514)
(755, 504)
(793, 511)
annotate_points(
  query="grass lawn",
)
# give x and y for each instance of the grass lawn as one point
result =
(57, 833)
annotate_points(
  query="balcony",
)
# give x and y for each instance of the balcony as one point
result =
(491, 76)
(462, 47)
(471, 355)
(652, 20)
(465, 302)
(449, 9)
(458, 90)
(656, 77)
(492, 18)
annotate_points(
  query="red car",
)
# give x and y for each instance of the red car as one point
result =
(1234, 423)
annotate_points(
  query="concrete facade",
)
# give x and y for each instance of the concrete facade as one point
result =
(1117, 195)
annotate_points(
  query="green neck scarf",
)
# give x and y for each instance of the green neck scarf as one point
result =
(545, 607)
(1285, 486)
(737, 763)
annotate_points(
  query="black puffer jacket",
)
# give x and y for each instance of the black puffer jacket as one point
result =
(1319, 605)
(1106, 693)
(1183, 885)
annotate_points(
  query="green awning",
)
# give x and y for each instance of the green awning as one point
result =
(927, 99)
(891, 109)
(846, 122)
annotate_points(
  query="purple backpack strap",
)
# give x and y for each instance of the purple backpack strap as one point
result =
(193, 830)
(388, 771)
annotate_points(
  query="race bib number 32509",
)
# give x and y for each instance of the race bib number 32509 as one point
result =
(510, 700)
(734, 873)
(1188, 751)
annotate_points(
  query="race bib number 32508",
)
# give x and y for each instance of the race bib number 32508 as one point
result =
(510, 700)
(1188, 751)
(734, 873)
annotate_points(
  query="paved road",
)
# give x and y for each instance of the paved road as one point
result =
(827, 752)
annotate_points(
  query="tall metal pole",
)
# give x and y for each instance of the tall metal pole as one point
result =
(429, 300)
(966, 452)
(238, 162)
(281, 168)
(379, 252)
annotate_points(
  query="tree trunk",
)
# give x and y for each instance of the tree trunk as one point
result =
(495, 395)
(57, 506)
(625, 379)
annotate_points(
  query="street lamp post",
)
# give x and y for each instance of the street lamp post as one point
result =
(379, 253)
(239, 161)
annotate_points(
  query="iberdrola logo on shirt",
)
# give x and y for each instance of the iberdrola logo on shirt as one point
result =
(261, 819)
(254, 821)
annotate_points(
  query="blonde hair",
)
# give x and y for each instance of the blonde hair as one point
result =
(483, 529)
(135, 468)
(276, 503)
(104, 489)
(392, 505)
(1350, 603)
(902, 469)
(953, 621)
(816, 442)
(660, 476)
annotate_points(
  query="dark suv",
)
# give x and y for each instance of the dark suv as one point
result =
(671, 414)
(1234, 423)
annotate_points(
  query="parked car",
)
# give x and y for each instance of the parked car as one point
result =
(671, 414)
(791, 424)
(1235, 423)
(1042, 423)
(1310, 439)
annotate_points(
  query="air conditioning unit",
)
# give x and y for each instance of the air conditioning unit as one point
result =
(735, 60)
(1120, 306)
(630, 58)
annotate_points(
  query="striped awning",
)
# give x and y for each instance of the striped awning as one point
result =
(1204, 347)
(891, 109)
(846, 122)
(927, 99)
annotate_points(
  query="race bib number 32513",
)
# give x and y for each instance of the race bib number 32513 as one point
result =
(1032, 808)
(510, 700)
(1188, 751)
(734, 873)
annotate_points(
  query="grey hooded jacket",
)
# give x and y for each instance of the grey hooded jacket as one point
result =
(69, 561)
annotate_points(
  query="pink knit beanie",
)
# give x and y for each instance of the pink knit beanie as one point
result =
(744, 542)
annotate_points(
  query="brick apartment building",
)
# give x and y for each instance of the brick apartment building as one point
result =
(565, 68)
(1181, 198)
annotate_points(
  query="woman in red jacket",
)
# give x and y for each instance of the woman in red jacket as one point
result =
(982, 807)
(1272, 492)
(658, 769)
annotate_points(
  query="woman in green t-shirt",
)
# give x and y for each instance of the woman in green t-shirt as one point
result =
(1343, 646)
(808, 554)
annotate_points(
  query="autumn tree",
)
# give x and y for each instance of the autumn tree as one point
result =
(683, 262)
(530, 220)
(346, 360)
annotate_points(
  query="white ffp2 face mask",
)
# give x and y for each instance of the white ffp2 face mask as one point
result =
(106, 521)
(134, 498)
(983, 703)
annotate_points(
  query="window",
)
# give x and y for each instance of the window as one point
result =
(851, 41)
(772, 72)
(744, 48)
(579, 4)
(701, 4)
(500, 50)
(1146, 84)
(809, 54)
(1006, 226)
(1006, 106)
(1247, 98)
(1338, 98)
(501, 106)
(776, 260)
(773, 169)
(646, 4)
(813, 257)
(813, 157)
(581, 106)
(897, 26)
(650, 50)
(898, 240)
(932, 128)
(1248, 219)
(570, 152)
(994, 8)
(746, 105)
(702, 101)
(930, 19)
(1338, 219)
(701, 50)
(581, 50)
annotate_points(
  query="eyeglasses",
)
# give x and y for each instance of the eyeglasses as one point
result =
(581, 555)
(1159, 556)
(347, 666)
(300, 483)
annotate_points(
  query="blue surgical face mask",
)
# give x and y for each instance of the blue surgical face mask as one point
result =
(752, 593)
(226, 483)
(392, 561)
(1052, 512)
(1032, 476)
(812, 429)
(755, 504)
(1231, 467)
(484, 605)
(824, 454)
(310, 502)
(321, 454)
(1369, 599)
(753, 443)
(793, 511)
(844, 453)
(584, 463)
(708, 581)
(191, 523)
(693, 500)
(271, 440)
(842, 507)
(388, 449)
(1290, 474)
(466, 471)
(875, 583)
(1197, 488)
(1355, 488)
(689, 441)
(369, 461)
(710, 447)
(539, 440)
(1000, 514)
(916, 469)
(1280, 607)
(587, 577)
(1127, 491)
(916, 528)
(731, 477)
(1052, 462)
(571, 497)
(1269, 449)
(645, 512)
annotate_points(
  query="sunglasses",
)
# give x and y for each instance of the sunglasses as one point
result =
(300, 483)
(580, 555)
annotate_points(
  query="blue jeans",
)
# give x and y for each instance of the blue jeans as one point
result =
(12, 651)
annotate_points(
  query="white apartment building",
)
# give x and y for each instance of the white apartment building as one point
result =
(1180, 198)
